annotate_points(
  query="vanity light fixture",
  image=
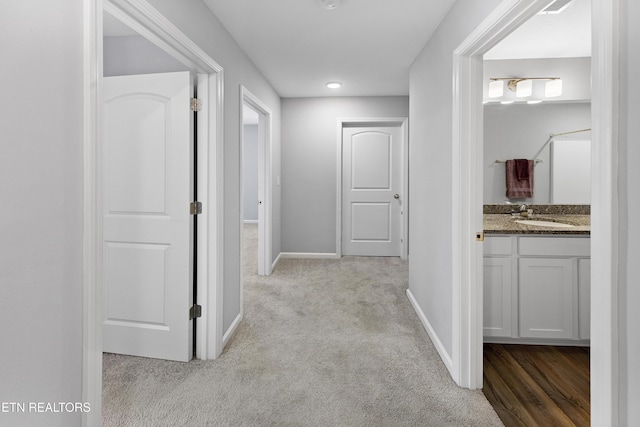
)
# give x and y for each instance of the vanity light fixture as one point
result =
(334, 85)
(496, 88)
(553, 88)
(523, 86)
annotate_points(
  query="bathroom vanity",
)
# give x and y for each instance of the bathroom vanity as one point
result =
(537, 276)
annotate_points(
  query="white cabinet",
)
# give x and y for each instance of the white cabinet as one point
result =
(536, 289)
(546, 298)
(497, 297)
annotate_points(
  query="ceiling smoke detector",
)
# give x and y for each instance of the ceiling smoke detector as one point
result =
(329, 4)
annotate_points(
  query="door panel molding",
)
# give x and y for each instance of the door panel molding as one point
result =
(402, 122)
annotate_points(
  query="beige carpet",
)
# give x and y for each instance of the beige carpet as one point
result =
(323, 343)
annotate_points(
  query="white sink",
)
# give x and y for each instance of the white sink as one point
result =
(544, 223)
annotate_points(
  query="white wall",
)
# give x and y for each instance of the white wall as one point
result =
(309, 159)
(41, 110)
(519, 131)
(430, 166)
(250, 172)
(629, 248)
(128, 55)
(194, 19)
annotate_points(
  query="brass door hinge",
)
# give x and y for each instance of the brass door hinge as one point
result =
(195, 208)
(196, 105)
(195, 311)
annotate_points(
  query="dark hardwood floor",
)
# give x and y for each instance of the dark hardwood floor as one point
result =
(535, 385)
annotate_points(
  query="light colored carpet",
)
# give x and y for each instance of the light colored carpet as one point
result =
(322, 343)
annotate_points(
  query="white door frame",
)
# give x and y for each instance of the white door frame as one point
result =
(375, 121)
(265, 158)
(148, 22)
(467, 199)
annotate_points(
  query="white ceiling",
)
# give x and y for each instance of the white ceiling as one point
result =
(565, 35)
(368, 45)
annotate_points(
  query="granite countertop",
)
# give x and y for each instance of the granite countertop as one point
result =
(506, 224)
(501, 219)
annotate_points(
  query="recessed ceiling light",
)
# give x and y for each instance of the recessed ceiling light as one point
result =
(506, 102)
(534, 101)
(557, 6)
(334, 85)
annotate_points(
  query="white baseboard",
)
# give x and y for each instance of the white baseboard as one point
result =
(276, 261)
(432, 333)
(250, 221)
(308, 255)
(232, 329)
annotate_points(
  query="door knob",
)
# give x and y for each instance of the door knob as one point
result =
(396, 196)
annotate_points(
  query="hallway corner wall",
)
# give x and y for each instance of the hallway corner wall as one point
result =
(309, 162)
(430, 168)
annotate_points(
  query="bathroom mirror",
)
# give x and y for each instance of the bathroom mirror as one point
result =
(521, 131)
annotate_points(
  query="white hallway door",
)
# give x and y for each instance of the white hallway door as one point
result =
(148, 229)
(371, 193)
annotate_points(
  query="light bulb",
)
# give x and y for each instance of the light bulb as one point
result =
(553, 88)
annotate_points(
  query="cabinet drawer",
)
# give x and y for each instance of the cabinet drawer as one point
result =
(554, 246)
(497, 245)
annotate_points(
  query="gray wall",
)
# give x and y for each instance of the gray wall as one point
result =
(430, 159)
(194, 19)
(128, 55)
(41, 110)
(309, 161)
(250, 172)
(520, 131)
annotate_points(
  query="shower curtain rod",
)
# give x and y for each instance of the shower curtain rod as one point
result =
(551, 135)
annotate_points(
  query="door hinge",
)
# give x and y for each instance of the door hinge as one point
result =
(196, 105)
(195, 208)
(195, 311)
(480, 236)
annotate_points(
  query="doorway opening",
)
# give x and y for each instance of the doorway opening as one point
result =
(467, 162)
(536, 303)
(151, 27)
(256, 207)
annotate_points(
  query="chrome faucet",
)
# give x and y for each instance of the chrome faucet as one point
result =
(525, 210)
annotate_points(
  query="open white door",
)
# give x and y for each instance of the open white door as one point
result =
(148, 181)
(371, 194)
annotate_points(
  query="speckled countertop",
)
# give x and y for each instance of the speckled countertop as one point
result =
(499, 219)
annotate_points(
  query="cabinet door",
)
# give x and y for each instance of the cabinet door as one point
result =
(584, 298)
(546, 298)
(497, 297)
